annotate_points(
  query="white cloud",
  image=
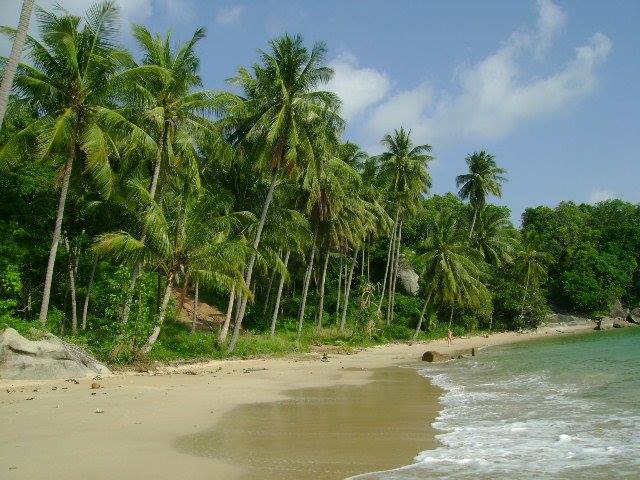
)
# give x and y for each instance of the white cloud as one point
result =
(494, 94)
(229, 15)
(358, 88)
(600, 195)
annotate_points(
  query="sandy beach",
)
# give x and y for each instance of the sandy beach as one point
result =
(261, 411)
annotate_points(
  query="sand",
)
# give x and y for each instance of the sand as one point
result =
(272, 418)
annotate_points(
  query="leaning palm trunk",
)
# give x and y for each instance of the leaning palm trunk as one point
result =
(339, 290)
(473, 222)
(450, 317)
(85, 307)
(14, 57)
(126, 310)
(57, 231)
(222, 336)
(394, 275)
(276, 308)
(323, 278)
(343, 321)
(72, 286)
(163, 312)
(252, 261)
(305, 291)
(424, 310)
(194, 314)
(267, 297)
(183, 294)
(386, 269)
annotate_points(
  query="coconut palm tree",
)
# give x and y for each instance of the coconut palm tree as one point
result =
(495, 238)
(68, 80)
(170, 106)
(484, 178)
(452, 268)
(180, 238)
(276, 120)
(403, 173)
(11, 65)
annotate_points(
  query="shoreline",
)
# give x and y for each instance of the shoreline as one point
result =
(51, 428)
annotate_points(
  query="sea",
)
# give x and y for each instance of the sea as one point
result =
(566, 407)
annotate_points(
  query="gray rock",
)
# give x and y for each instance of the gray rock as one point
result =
(408, 277)
(23, 359)
(617, 311)
(634, 316)
(603, 323)
(431, 356)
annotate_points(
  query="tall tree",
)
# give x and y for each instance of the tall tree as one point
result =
(275, 120)
(403, 172)
(483, 179)
(68, 81)
(14, 57)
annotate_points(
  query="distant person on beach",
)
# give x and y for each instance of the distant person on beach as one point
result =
(449, 336)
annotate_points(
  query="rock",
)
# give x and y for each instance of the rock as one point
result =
(49, 358)
(408, 277)
(634, 316)
(617, 311)
(99, 410)
(619, 323)
(95, 386)
(603, 323)
(431, 356)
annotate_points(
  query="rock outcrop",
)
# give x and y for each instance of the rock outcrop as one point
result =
(408, 277)
(49, 358)
(431, 356)
(208, 316)
(634, 316)
(617, 311)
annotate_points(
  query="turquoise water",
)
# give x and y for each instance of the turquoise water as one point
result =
(560, 408)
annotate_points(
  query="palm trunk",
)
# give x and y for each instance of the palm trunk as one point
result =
(57, 231)
(183, 294)
(386, 269)
(364, 249)
(339, 290)
(72, 287)
(473, 222)
(394, 275)
(126, 310)
(222, 336)
(369, 265)
(252, 260)
(14, 57)
(343, 321)
(266, 298)
(276, 308)
(194, 314)
(450, 317)
(323, 278)
(85, 307)
(305, 290)
(424, 310)
(163, 312)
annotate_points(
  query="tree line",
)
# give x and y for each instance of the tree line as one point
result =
(129, 187)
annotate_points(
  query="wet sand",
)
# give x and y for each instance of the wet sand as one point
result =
(327, 433)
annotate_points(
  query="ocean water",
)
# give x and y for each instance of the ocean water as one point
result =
(560, 408)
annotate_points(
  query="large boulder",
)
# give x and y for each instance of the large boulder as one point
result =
(49, 358)
(408, 277)
(603, 323)
(617, 311)
(431, 356)
(634, 316)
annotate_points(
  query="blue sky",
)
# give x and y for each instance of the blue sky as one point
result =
(551, 88)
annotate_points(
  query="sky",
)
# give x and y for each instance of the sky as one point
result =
(550, 87)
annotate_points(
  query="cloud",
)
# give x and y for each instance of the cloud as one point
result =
(358, 88)
(493, 96)
(229, 15)
(600, 195)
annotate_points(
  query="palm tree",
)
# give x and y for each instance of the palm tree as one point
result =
(69, 81)
(16, 50)
(495, 238)
(484, 178)
(403, 172)
(168, 104)
(181, 238)
(276, 120)
(453, 270)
